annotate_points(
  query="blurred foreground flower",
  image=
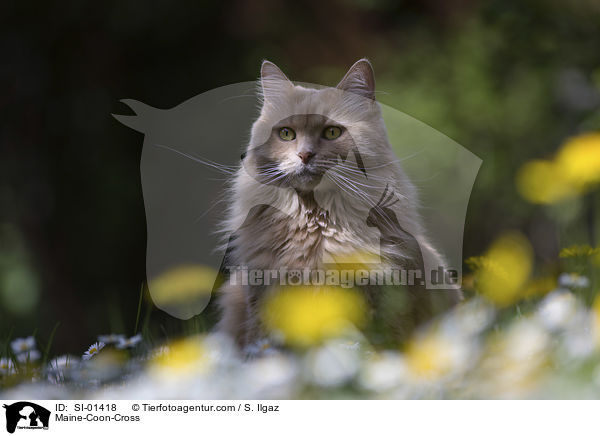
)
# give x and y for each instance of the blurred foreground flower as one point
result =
(93, 350)
(109, 365)
(573, 281)
(29, 356)
(58, 367)
(21, 345)
(541, 181)
(433, 355)
(334, 363)
(579, 160)
(514, 361)
(356, 260)
(111, 339)
(7, 366)
(183, 357)
(62, 362)
(503, 271)
(272, 376)
(25, 350)
(383, 372)
(575, 251)
(129, 342)
(557, 309)
(305, 315)
(181, 284)
(574, 170)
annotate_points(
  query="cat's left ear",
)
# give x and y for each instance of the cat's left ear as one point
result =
(360, 79)
(273, 81)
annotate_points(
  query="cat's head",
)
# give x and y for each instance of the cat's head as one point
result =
(302, 132)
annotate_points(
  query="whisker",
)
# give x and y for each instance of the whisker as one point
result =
(251, 93)
(364, 185)
(350, 189)
(211, 164)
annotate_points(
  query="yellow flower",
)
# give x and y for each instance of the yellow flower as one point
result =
(182, 283)
(430, 357)
(575, 169)
(182, 357)
(505, 269)
(307, 315)
(578, 251)
(357, 260)
(579, 160)
(542, 182)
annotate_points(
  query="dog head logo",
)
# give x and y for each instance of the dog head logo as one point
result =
(26, 415)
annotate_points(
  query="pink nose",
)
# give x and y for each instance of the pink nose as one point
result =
(305, 156)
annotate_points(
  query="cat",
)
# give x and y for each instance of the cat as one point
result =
(318, 182)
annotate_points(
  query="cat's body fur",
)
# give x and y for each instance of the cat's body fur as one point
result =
(297, 224)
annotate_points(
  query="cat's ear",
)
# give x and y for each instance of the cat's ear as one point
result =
(273, 81)
(360, 79)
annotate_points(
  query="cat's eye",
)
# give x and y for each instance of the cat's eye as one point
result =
(287, 134)
(332, 132)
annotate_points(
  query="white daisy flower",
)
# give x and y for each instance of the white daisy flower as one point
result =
(269, 377)
(573, 281)
(557, 309)
(332, 364)
(21, 345)
(383, 372)
(93, 350)
(130, 342)
(29, 356)
(6, 366)
(60, 366)
(111, 339)
(62, 362)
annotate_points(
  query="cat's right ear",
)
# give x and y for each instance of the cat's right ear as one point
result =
(360, 80)
(273, 81)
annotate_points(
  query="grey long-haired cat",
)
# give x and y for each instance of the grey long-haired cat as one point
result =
(320, 181)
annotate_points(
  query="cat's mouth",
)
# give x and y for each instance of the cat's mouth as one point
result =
(306, 177)
(310, 171)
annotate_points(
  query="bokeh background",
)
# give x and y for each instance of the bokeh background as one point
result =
(510, 80)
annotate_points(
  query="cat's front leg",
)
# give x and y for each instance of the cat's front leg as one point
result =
(233, 306)
(255, 336)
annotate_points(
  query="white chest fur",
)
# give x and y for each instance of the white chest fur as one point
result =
(307, 238)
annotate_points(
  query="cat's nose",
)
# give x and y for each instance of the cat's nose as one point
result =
(306, 156)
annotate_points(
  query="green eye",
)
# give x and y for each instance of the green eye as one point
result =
(287, 134)
(332, 132)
